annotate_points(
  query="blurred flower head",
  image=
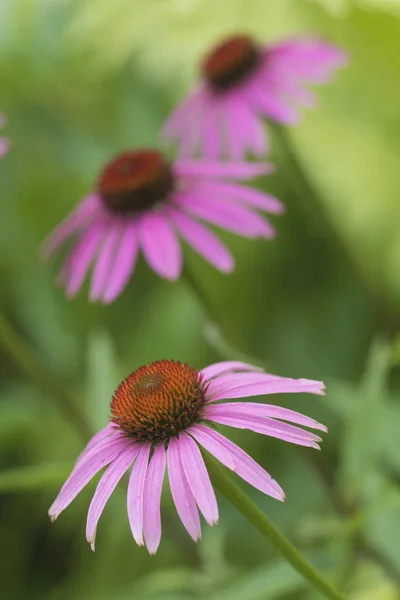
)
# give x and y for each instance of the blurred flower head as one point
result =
(142, 201)
(160, 415)
(4, 142)
(243, 82)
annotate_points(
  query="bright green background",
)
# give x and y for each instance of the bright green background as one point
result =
(82, 79)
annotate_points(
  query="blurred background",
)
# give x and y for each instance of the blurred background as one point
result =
(83, 79)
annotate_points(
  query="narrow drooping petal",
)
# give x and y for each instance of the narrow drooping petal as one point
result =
(203, 241)
(244, 385)
(78, 219)
(82, 256)
(252, 131)
(237, 460)
(198, 479)
(83, 473)
(152, 499)
(105, 488)
(124, 263)
(181, 493)
(230, 216)
(244, 194)
(160, 245)
(4, 146)
(135, 494)
(256, 409)
(104, 436)
(212, 133)
(266, 426)
(227, 366)
(103, 263)
(231, 170)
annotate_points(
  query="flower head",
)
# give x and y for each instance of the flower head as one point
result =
(4, 142)
(244, 82)
(142, 201)
(160, 416)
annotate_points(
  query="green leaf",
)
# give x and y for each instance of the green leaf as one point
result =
(33, 477)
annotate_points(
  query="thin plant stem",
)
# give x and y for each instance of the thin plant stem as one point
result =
(254, 515)
(25, 358)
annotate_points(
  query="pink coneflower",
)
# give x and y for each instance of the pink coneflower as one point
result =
(4, 142)
(243, 82)
(160, 415)
(143, 201)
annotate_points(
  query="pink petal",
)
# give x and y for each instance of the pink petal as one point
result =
(105, 435)
(102, 266)
(233, 457)
(230, 216)
(183, 498)
(244, 194)
(80, 217)
(236, 133)
(83, 473)
(4, 146)
(226, 366)
(197, 478)
(203, 241)
(242, 385)
(231, 170)
(152, 499)
(272, 104)
(212, 133)
(82, 256)
(160, 246)
(265, 426)
(177, 123)
(255, 409)
(123, 264)
(105, 488)
(135, 494)
(253, 130)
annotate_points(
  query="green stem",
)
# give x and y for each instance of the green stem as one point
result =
(24, 356)
(254, 515)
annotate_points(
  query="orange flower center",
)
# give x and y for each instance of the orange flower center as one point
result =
(159, 400)
(230, 62)
(135, 181)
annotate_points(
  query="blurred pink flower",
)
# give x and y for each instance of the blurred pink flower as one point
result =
(242, 83)
(4, 142)
(144, 202)
(161, 414)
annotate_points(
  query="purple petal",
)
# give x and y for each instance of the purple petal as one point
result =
(197, 478)
(233, 457)
(226, 366)
(80, 217)
(4, 146)
(242, 385)
(255, 409)
(160, 246)
(105, 488)
(183, 498)
(233, 217)
(124, 263)
(237, 136)
(265, 426)
(83, 473)
(152, 499)
(135, 494)
(231, 170)
(102, 266)
(272, 104)
(212, 133)
(253, 131)
(203, 241)
(247, 195)
(82, 256)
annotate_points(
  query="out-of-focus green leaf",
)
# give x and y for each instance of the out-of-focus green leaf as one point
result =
(270, 582)
(103, 376)
(35, 477)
